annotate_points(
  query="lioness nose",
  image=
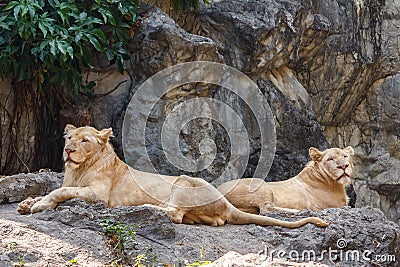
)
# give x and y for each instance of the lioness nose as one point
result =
(69, 150)
(343, 166)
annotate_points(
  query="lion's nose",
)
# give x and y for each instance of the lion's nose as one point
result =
(344, 166)
(69, 150)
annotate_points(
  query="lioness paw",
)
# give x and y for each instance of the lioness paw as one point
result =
(25, 206)
(43, 205)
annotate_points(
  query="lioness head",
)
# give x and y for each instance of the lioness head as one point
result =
(82, 143)
(335, 163)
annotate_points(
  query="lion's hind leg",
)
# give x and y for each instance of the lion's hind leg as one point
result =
(191, 219)
(175, 215)
(208, 220)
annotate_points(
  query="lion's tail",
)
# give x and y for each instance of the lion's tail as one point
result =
(240, 217)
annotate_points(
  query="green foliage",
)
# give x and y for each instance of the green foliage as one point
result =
(120, 234)
(123, 239)
(14, 247)
(148, 259)
(49, 42)
(186, 5)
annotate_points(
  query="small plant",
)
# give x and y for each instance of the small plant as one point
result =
(149, 258)
(138, 260)
(123, 240)
(19, 256)
(201, 261)
(116, 263)
(121, 235)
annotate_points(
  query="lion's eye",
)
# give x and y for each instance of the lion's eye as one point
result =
(85, 140)
(345, 156)
(330, 159)
(69, 137)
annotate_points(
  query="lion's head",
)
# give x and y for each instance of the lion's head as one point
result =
(334, 163)
(83, 143)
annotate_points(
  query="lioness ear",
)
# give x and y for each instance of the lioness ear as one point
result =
(349, 150)
(315, 154)
(68, 128)
(104, 135)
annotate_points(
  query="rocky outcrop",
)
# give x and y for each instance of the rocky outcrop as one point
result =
(18, 187)
(355, 237)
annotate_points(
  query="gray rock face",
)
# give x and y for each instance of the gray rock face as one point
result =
(18, 187)
(339, 57)
(363, 234)
(374, 129)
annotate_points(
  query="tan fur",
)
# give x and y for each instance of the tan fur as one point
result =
(320, 185)
(95, 173)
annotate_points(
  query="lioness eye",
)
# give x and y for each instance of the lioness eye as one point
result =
(85, 140)
(330, 159)
(346, 156)
(69, 137)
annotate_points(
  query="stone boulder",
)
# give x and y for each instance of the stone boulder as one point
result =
(18, 187)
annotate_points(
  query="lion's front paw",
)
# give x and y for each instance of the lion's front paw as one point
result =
(43, 205)
(25, 206)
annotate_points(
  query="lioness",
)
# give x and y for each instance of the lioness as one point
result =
(95, 173)
(321, 184)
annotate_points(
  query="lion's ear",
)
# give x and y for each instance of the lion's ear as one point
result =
(104, 135)
(68, 128)
(315, 154)
(349, 150)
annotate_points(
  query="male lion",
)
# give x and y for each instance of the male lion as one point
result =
(95, 173)
(321, 184)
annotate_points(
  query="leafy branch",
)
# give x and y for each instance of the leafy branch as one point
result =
(47, 43)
